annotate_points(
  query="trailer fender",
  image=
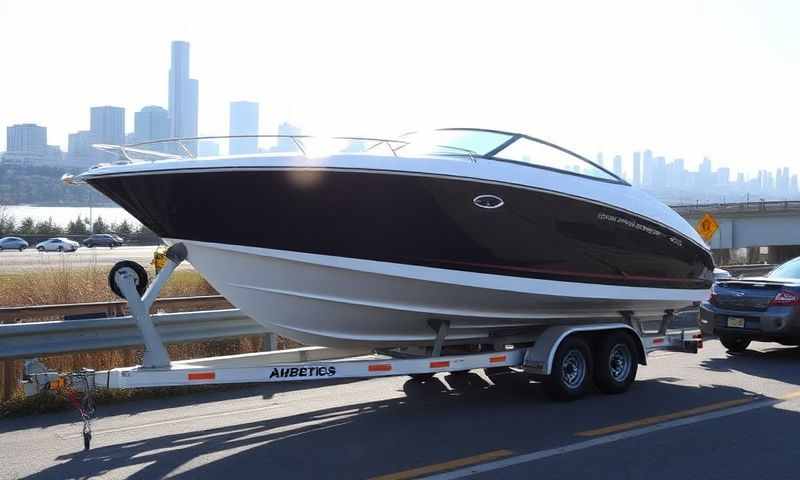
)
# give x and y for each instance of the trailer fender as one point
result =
(539, 358)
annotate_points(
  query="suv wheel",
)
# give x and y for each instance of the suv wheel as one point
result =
(735, 344)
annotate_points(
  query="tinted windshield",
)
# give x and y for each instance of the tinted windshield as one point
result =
(790, 269)
(544, 155)
(503, 146)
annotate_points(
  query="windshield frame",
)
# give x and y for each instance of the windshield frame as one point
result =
(493, 155)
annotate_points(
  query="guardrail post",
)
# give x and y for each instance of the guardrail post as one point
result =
(269, 342)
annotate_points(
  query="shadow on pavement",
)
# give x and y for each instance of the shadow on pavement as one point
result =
(169, 399)
(444, 418)
(774, 362)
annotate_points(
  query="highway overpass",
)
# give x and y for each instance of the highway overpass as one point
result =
(750, 225)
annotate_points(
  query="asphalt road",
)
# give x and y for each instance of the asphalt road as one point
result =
(710, 415)
(12, 261)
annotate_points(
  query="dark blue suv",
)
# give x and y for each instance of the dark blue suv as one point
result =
(765, 309)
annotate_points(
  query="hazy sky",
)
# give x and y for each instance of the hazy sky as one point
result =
(684, 78)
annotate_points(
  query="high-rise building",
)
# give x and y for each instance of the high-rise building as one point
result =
(27, 144)
(647, 170)
(151, 123)
(80, 149)
(243, 121)
(183, 96)
(26, 138)
(286, 144)
(107, 124)
(637, 169)
(207, 148)
(618, 165)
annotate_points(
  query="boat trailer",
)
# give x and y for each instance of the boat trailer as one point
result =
(563, 357)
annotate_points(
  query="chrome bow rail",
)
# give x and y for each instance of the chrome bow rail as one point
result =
(133, 151)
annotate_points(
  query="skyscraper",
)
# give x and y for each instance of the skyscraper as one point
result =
(26, 138)
(107, 124)
(647, 168)
(183, 95)
(637, 169)
(151, 123)
(243, 121)
(286, 144)
(80, 149)
(618, 165)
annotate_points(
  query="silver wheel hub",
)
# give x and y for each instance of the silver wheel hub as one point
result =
(619, 362)
(573, 369)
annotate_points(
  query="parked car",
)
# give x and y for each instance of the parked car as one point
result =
(57, 245)
(765, 309)
(13, 243)
(104, 240)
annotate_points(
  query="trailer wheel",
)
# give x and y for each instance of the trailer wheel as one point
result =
(572, 370)
(421, 377)
(616, 365)
(139, 277)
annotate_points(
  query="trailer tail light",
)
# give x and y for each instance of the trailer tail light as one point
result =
(440, 364)
(380, 367)
(785, 297)
(201, 376)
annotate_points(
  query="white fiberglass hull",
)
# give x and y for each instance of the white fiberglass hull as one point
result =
(337, 301)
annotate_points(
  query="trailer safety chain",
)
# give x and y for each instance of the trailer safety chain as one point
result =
(79, 389)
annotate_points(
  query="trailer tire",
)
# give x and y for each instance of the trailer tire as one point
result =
(616, 365)
(571, 372)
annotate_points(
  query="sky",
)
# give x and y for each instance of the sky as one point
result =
(684, 78)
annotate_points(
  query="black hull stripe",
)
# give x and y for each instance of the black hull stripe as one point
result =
(414, 219)
(405, 173)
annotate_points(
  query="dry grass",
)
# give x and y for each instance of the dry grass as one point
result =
(65, 283)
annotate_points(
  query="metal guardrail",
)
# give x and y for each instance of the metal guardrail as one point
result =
(27, 340)
(115, 308)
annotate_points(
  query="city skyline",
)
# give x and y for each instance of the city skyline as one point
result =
(687, 79)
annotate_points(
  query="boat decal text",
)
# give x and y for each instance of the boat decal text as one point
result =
(294, 372)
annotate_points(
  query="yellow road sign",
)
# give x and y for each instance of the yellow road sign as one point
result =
(707, 227)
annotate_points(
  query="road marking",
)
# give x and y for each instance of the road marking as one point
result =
(615, 437)
(441, 467)
(643, 422)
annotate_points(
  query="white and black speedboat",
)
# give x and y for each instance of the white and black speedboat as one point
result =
(491, 231)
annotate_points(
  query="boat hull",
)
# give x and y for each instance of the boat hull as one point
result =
(335, 301)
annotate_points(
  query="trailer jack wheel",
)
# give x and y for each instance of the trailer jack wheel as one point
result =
(127, 267)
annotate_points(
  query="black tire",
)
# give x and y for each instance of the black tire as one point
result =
(421, 377)
(20, 249)
(460, 373)
(41, 249)
(734, 344)
(60, 248)
(572, 370)
(90, 245)
(615, 363)
(140, 277)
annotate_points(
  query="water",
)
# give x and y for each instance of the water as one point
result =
(63, 215)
